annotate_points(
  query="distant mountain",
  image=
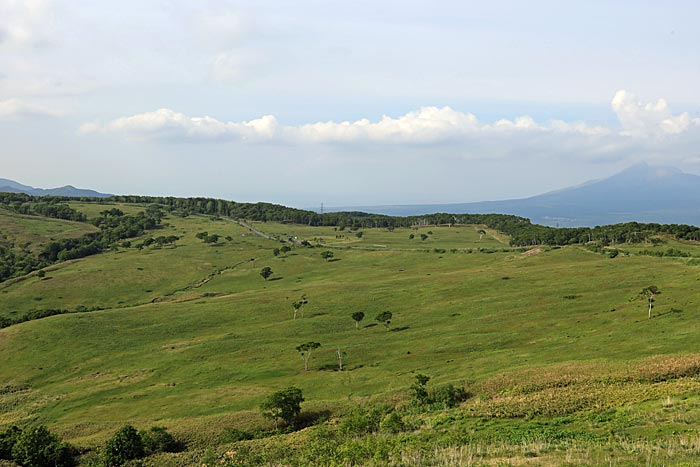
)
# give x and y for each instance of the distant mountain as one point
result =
(10, 186)
(640, 193)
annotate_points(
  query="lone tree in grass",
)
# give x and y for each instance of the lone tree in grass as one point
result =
(327, 255)
(283, 405)
(266, 272)
(340, 356)
(358, 316)
(305, 352)
(481, 233)
(385, 318)
(423, 236)
(125, 445)
(299, 306)
(650, 294)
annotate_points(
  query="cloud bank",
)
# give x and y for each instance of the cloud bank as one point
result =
(645, 130)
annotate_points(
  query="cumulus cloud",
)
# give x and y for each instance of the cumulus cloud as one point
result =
(424, 126)
(15, 109)
(168, 124)
(648, 119)
(647, 131)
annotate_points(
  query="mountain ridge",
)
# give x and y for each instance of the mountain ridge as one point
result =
(11, 186)
(642, 193)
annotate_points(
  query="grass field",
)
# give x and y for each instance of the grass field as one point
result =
(34, 232)
(548, 340)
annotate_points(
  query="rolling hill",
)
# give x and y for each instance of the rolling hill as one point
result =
(552, 345)
(641, 193)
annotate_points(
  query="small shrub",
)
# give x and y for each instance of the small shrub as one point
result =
(157, 439)
(125, 445)
(392, 423)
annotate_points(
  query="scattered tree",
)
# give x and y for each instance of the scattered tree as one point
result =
(305, 352)
(299, 306)
(327, 255)
(481, 233)
(423, 236)
(285, 249)
(385, 318)
(276, 252)
(266, 272)
(339, 356)
(283, 405)
(359, 234)
(650, 294)
(411, 236)
(358, 316)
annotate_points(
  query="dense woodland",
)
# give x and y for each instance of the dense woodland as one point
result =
(115, 226)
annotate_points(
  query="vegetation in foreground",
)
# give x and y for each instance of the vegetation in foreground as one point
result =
(491, 354)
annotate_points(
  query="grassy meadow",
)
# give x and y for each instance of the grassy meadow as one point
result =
(553, 344)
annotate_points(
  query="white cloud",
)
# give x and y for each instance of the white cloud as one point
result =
(647, 119)
(424, 126)
(168, 124)
(649, 131)
(15, 109)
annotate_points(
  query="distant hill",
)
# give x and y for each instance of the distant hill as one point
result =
(10, 186)
(640, 193)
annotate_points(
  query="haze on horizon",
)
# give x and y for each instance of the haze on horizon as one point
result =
(345, 103)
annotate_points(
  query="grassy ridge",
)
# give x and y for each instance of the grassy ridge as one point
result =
(192, 337)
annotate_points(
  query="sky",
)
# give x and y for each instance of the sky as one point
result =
(345, 102)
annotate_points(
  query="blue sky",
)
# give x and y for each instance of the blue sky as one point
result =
(353, 102)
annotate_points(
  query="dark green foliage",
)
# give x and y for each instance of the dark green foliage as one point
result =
(125, 445)
(8, 438)
(305, 351)
(266, 272)
(358, 316)
(283, 405)
(385, 318)
(327, 255)
(38, 447)
(419, 391)
(157, 439)
(423, 236)
(231, 435)
(359, 234)
(392, 423)
(362, 421)
(446, 396)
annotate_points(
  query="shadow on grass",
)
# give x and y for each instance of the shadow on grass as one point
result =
(333, 260)
(311, 417)
(402, 328)
(370, 325)
(275, 279)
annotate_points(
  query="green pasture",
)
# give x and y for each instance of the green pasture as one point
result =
(457, 237)
(193, 338)
(35, 232)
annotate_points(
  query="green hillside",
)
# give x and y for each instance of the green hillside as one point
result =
(552, 344)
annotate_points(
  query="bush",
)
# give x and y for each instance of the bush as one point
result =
(361, 421)
(38, 447)
(8, 438)
(392, 423)
(157, 439)
(126, 444)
